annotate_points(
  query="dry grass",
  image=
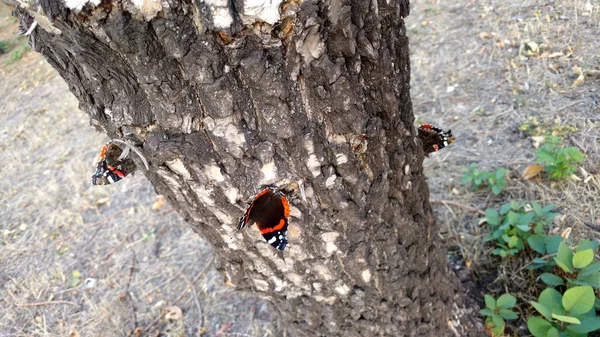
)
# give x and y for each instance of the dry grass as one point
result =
(82, 260)
(471, 75)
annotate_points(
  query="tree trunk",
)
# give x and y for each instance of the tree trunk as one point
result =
(221, 97)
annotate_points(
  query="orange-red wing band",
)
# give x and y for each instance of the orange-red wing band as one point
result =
(286, 206)
(273, 229)
(103, 151)
(119, 173)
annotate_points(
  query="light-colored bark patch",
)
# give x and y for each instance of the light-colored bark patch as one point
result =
(261, 285)
(341, 159)
(323, 271)
(260, 10)
(232, 195)
(342, 289)
(326, 300)
(366, 275)
(330, 181)
(230, 241)
(329, 239)
(203, 193)
(223, 217)
(269, 171)
(214, 172)
(220, 13)
(148, 8)
(314, 165)
(77, 5)
(177, 166)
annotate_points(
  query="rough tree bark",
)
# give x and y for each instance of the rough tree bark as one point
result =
(223, 96)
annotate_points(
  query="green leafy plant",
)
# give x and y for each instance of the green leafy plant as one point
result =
(476, 178)
(570, 314)
(561, 162)
(496, 311)
(575, 268)
(512, 226)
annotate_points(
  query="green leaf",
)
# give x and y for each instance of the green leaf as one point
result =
(551, 279)
(506, 301)
(582, 258)
(498, 321)
(505, 208)
(75, 278)
(545, 156)
(496, 189)
(552, 243)
(515, 205)
(513, 241)
(590, 280)
(542, 309)
(508, 314)
(486, 312)
(537, 209)
(495, 330)
(553, 333)
(564, 257)
(578, 300)
(587, 244)
(567, 319)
(537, 243)
(492, 217)
(551, 299)
(513, 218)
(591, 269)
(490, 302)
(525, 220)
(538, 326)
(588, 324)
(500, 252)
(575, 155)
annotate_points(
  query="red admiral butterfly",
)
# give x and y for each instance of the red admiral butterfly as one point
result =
(110, 168)
(433, 138)
(269, 210)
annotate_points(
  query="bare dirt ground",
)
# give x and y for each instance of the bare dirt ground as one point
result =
(78, 260)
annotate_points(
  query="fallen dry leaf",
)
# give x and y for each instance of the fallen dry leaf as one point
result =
(173, 313)
(566, 233)
(101, 201)
(159, 202)
(485, 35)
(577, 70)
(537, 140)
(555, 55)
(532, 171)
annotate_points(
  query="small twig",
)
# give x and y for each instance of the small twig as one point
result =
(191, 286)
(223, 329)
(133, 310)
(119, 245)
(38, 304)
(452, 203)
(157, 319)
(579, 146)
(592, 226)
